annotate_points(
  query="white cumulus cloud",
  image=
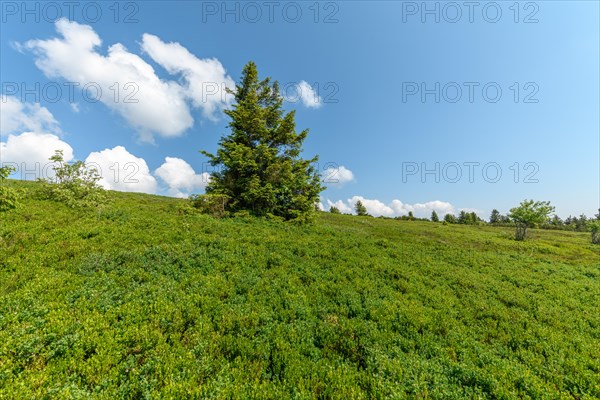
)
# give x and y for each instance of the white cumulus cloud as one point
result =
(337, 176)
(18, 117)
(394, 209)
(302, 92)
(340, 205)
(422, 210)
(29, 153)
(205, 79)
(180, 177)
(150, 105)
(310, 98)
(122, 171)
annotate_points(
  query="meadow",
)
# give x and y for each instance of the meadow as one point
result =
(138, 300)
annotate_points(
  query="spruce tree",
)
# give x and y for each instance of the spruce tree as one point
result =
(450, 218)
(495, 217)
(474, 219)
(360, 209)
(434, 217)
(463, 217)
(259, 163)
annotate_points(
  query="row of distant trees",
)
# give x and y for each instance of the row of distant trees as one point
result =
(528, 214)
(466, 218)
(577, 224)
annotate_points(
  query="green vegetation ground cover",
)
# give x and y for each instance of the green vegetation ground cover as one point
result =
(138, 300)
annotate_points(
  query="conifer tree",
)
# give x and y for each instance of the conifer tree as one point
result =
(259, 163)
(360, 209)
(495, 217)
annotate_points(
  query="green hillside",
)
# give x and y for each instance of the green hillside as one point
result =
(138, 300)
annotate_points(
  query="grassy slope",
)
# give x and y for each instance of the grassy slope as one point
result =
(139, 301)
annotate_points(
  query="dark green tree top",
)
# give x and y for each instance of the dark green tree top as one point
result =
(495, 216)
(360, 209)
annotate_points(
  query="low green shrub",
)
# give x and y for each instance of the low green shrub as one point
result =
(9, 197)
(211, 204)
(75, 185)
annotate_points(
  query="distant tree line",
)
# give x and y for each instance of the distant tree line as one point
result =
(575, 224)
(581, 224)
(529, 214)
(464, 218)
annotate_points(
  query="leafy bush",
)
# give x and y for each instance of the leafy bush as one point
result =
(594, 227)
(529, 214)
(334, 210)
(8, 197)
(75, 185)
(212, 204)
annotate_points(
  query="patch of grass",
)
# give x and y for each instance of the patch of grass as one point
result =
(138, 300)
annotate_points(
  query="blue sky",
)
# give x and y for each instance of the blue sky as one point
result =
(361, 68)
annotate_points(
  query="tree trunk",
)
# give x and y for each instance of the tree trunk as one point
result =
(521, 231)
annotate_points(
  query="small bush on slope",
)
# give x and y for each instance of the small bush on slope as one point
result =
(9, 197)
(75, 185)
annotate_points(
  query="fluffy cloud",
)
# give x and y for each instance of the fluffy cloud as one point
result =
(340, 205)
(180, 177)
(304, 93)
(205, 79)
(422, 209)
(151, 105)
(310, 98)
(155, 106)
(29, 153)
(31, 138)
(17, 117)
(337, 176)
(122, 171)
(394, 209)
